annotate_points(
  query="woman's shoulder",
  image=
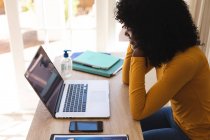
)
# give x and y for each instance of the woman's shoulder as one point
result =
(194, 53)
(193, 56)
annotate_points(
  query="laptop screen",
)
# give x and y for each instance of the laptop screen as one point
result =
(45, 79)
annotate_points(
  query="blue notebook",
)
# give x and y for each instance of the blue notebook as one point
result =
(96, 60)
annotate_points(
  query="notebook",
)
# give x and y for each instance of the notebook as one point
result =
(101, 72)
(91, 99)
(96, 59)
(89, 137)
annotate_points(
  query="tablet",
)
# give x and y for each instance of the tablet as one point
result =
(88, 137)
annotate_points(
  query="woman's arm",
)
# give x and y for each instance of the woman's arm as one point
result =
(126, 64)
(143, 104)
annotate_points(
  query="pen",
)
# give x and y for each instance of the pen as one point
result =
(114, 73)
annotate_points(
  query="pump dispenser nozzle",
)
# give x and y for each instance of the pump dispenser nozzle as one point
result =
(66, 55)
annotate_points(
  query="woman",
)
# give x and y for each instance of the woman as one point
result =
(162, 35)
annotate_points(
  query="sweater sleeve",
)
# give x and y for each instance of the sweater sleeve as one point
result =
(126, 65)
(176, 75)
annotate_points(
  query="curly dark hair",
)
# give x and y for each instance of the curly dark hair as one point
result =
(161, 28)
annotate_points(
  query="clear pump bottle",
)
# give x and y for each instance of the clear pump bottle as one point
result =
(66, 65)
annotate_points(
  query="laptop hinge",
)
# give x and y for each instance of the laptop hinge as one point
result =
(60, 97)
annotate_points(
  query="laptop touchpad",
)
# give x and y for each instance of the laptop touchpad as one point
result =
(97, 96)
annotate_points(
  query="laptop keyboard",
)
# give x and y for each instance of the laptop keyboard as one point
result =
(76, 98)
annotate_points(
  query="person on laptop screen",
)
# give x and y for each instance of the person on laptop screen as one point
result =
(162, 35)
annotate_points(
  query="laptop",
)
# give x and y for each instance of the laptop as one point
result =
(67, 98)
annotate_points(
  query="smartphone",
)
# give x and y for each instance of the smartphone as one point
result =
(86, 126)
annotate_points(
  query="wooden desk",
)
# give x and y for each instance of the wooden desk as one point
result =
(120, 122)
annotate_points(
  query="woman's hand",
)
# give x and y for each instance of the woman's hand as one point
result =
(137, 52)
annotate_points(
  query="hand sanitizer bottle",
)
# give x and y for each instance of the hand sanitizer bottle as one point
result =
(66, 65)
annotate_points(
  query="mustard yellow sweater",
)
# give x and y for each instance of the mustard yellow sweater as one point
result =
(185, 81)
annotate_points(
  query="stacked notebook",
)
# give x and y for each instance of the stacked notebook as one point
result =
(102, 64)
